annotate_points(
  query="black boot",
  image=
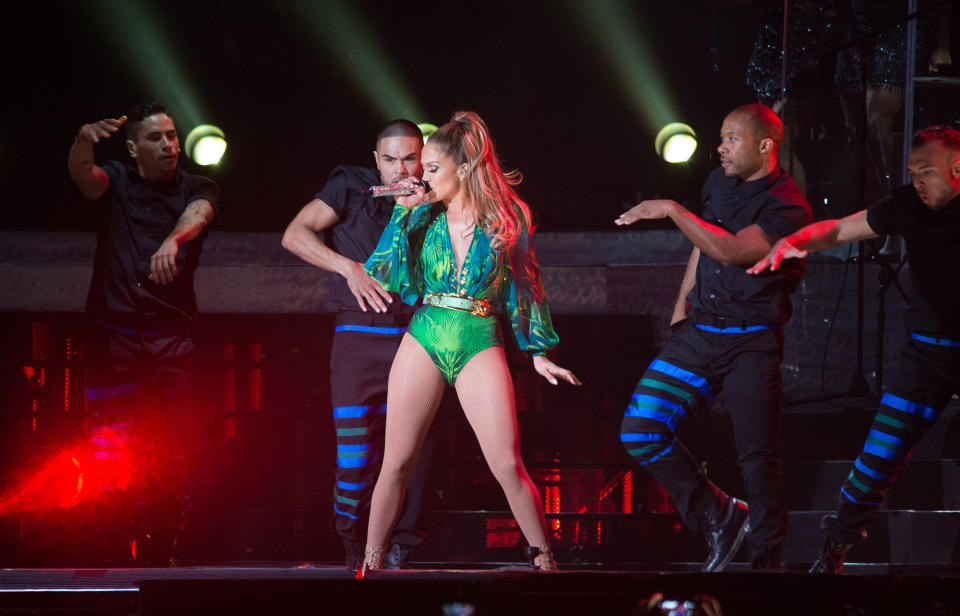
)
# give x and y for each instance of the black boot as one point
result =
(352, 554)
(540, 558)
(158, 524)
(831, 557)
(396, 557)
(724, 522)
(768, 560)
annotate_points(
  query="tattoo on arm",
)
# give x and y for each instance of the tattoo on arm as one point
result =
(197, 213)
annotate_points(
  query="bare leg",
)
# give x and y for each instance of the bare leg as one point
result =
(486, 394)
(413, 395)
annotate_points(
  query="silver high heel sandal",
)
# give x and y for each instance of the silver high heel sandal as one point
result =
(372, 559)
(541, 558)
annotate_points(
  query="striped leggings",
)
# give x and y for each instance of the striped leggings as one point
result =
(693, 368)
(363, 349)
(927, 376)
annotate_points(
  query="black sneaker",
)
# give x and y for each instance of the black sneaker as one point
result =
(725, 536)
(155, 548)
(767, 561)
(353, 554)
(831, 558)
(396, 557)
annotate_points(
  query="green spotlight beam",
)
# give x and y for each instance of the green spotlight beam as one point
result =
(131, 27)
(618, 34)
(338, 30)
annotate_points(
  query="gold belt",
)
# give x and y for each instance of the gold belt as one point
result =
(477, 307)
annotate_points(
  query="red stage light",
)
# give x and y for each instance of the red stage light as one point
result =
(502, 533)
(551, 499)
(77, 474)
(628, 492)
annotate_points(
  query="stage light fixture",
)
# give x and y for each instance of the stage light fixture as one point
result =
(206, 144)
(676, 142)
(427, 129)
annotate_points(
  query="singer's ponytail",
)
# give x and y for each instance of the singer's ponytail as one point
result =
(500, 211)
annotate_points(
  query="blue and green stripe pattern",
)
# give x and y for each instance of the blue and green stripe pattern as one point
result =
(357, 460)
(665, 396)
(897, 427)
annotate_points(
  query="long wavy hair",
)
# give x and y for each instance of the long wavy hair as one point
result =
(499, 210)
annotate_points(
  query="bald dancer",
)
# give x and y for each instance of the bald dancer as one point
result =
(727, 335)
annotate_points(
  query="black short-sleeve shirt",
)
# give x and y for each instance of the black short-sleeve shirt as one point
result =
(775, 204)
(933, 256)
(138, 216)
(362, 221)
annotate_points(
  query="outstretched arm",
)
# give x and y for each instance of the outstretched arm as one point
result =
(813, 238)
(301, 239)
(89, 178)
(551, 371)
(742, 248)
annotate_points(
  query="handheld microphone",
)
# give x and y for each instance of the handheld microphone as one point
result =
(397, 190)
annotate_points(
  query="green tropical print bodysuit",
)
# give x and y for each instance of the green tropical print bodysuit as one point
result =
(415, 257)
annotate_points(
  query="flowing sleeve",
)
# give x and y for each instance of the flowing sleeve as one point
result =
(526, 301)
(395, 263)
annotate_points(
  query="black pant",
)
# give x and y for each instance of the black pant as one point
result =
(139, 383)
(140, 419)
(928, 374)
(694, 367)
(364, 346)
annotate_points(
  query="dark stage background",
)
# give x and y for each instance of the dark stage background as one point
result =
(574, 93)
(282, 87)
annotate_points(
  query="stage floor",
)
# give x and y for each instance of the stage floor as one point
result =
(288, 588)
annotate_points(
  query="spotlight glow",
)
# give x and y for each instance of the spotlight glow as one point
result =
(342, 31)
(676, 142)
(616, 29)
(427, 129)
(206, 144)
(81, 472)
(135, 30)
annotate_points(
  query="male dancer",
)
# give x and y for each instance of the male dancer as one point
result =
(369, 327)
(927, 215)
(154, 222)
(730, 337)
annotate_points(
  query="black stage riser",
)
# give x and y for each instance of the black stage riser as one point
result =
(501, 594)
(576, 593)
(328, 590)
(658, 540)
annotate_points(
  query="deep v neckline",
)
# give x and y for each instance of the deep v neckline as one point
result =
(466, 255)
